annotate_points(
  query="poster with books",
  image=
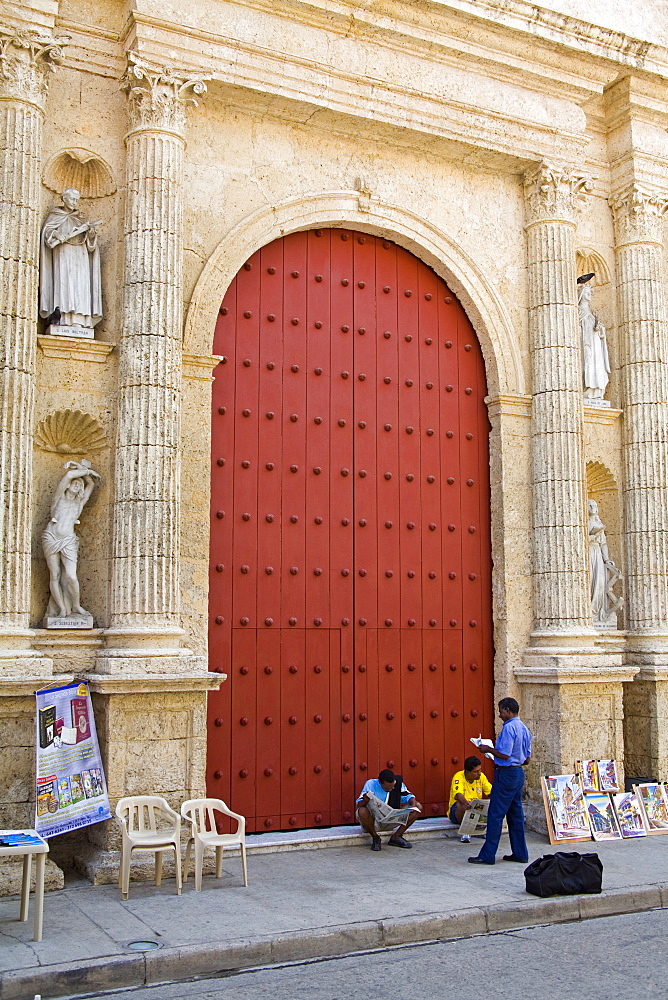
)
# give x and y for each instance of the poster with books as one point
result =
(71, 791)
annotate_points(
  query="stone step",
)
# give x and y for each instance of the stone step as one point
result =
(337, 836)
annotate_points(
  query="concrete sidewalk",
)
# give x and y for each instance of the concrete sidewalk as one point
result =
(302, 904)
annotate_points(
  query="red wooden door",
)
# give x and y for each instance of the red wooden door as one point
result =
(350, 580)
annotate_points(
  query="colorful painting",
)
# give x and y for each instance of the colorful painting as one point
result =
(608, 781)
(652, 797)
(602, 818)
(565, 808)
(588, 771)
(629, 814)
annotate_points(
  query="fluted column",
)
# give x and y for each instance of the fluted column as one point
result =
(571, 678)
(643, 328)
(145, 574)
(25, 62)
(560, 572)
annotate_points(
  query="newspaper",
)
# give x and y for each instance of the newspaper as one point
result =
(385, 815)
(474, 822)
(475, 818)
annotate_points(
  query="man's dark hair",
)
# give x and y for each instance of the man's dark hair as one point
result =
(510, 704)
(386, 775)
(471, 762)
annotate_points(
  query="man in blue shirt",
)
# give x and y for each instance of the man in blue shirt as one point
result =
(380, 788)
(511, 754)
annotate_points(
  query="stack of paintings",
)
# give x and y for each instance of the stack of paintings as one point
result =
(591, 804)
(598, 776)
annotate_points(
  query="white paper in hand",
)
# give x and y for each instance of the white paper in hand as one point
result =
(480, 742)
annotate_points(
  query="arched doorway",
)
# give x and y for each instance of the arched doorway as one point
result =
(350, 581)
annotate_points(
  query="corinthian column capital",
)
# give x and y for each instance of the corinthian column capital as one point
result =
(551, 193)
(158, 99)
(26, 60)
(638, 215)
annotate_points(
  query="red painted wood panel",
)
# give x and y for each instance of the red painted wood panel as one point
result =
(350, 578)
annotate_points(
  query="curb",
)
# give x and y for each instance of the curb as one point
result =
(174, 964)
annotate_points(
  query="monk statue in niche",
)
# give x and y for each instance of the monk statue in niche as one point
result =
(70, 294)
(603, 574)
(61, 547)
(595, 360)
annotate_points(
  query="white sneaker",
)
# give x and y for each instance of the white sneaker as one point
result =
(465, 839)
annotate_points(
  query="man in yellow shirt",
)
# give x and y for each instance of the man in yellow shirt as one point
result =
(467, 786)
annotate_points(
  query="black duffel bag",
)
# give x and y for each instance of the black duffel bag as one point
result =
(564, 874)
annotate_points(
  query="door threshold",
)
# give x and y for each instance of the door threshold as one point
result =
(338, 836)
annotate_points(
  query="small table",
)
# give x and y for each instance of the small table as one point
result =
(27, 843)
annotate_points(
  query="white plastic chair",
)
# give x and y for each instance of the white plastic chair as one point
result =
(200, 814)
(140, 817)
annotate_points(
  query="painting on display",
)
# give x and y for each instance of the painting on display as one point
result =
(588, 771)
(652, 798)
(602, 818)
(608, 779)
(629, 814)
(565, 808)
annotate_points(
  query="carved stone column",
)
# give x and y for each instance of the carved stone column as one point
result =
(145, 575)
(26, 59)
(571, 679)
(561, 580)
(643, 326)
(144, 675)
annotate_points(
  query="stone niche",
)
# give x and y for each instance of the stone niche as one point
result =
(80, 169)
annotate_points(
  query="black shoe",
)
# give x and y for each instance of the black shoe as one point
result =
(511, 857)
(479, 861)
(399, 842)
(375, 844)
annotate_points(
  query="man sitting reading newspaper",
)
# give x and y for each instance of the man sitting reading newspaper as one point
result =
(382, 805)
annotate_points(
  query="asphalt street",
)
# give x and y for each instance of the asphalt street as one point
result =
(602, 959)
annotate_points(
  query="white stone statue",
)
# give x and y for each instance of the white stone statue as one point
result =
(61, 547)
(603, 573)
(70, 296)
(595, 360)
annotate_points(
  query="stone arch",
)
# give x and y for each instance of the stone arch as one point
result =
(444, 255)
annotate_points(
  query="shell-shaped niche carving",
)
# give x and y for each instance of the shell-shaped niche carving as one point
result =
(70, 432)
(80, 169)
(588, 261)
(599, 479)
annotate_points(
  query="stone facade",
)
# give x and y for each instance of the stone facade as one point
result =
(503, 144)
